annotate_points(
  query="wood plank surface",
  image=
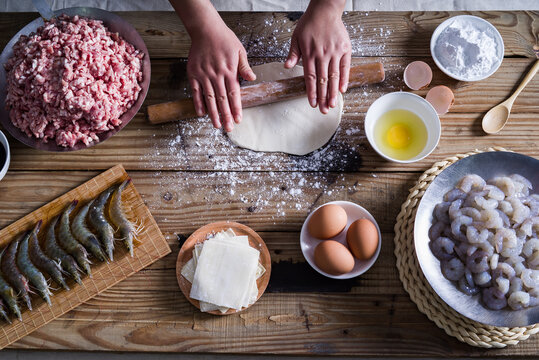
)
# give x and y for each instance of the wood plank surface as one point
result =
(189, 174)
(147, 312)
(394, 34)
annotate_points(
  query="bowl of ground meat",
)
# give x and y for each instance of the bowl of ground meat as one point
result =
(73, 81)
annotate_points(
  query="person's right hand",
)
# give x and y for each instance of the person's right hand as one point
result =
(216, 59)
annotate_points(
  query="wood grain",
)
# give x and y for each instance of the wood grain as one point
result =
(104, 275)
(394, 34)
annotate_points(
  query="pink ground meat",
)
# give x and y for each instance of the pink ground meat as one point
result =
(71, 80)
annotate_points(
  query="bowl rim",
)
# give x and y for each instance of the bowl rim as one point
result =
(436, 34)
(365, 215)
(114, 23)
(413, 97)
(5, 144)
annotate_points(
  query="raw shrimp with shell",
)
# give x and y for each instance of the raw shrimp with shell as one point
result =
(124, 227)
(99, 222)
(8, 295)
(13, 275)
(55, 252)
(69, 243)
(29, 270)
(84, 235)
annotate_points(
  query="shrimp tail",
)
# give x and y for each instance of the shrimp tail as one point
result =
(3, 312)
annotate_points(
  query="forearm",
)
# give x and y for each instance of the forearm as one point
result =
(326, 7)
(198, 16)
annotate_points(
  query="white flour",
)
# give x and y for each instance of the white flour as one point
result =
(466, 51)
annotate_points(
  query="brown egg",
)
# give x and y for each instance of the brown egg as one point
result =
(362, 238)
(333, 257)
(327, 222)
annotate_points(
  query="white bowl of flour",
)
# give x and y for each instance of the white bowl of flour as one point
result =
(467, 48)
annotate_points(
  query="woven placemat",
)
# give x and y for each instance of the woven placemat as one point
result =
(415, 283)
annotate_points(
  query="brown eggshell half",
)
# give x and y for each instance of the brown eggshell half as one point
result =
(441, 98)
(417, 75)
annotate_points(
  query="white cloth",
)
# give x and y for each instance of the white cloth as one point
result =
(285, 5)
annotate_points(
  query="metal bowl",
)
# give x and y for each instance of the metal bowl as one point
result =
(115, 24)
(486, 165)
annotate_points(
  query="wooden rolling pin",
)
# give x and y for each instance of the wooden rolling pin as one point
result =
(264, 93)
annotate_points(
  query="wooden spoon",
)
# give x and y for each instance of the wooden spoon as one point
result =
(496, 118)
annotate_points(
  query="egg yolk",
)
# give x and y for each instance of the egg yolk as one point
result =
(398, 136)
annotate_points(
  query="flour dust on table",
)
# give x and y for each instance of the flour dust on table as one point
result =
(291, 126)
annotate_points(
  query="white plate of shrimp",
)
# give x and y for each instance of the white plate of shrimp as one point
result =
(466, 245)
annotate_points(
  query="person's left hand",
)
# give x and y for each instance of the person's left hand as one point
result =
(321, 39)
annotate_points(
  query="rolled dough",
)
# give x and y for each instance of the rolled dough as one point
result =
(290, 126)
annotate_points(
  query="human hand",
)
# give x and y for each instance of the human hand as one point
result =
(215, 60)
(321, 39)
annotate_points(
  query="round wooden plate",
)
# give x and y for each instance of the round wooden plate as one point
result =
(201, 235)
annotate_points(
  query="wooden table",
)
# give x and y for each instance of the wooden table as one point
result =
(190, 174)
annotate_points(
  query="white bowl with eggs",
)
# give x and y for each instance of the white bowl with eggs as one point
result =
(5, 155)
(418, 137)
(353, 212)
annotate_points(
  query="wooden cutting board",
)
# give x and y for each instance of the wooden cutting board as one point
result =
(151, 247)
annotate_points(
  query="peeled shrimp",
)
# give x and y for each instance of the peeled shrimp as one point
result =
(125, 227)
(482, 279)
(476, 237)
(29, 270)
(522, 185)
(84, 235)
(435, 231)
(530, 278)
(530, 247)
(502, 284)
(443, 248)
(55, 252)
(440, 212)
(457, 224)
(96, 218)
(452, 269)
(505, 184)
(471, 212)
(504, 270)
(491, 219)
(467, 285)
(518, 300)
(494, 299)
(506, 237)
(8, 295)
(471, 181)
(454, 194)
(43, 262)
(477, 262)
(13, 274)
(493, 192)
(454, 208)
(68, 242)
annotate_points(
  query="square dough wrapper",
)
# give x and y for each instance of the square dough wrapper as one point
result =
(290, 126)
(223, 274)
